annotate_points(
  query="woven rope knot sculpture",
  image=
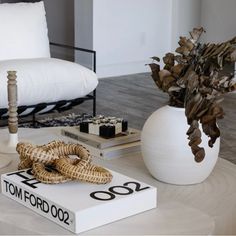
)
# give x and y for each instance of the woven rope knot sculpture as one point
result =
(51, 163)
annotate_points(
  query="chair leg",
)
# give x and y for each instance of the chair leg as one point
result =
(94, 103)
(34, 120)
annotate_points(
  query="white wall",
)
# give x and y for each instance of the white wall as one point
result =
(84, 23)
(126, 33)
(60, 19)
(83, 30)
(219, 19)
(186, 14)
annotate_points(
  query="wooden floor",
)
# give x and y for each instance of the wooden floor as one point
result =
(135, 97)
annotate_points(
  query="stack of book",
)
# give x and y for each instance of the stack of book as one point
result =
(122, 144)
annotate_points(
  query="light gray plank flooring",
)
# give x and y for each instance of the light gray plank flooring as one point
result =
(135, 97)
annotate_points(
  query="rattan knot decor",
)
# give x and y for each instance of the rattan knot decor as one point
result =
(58, 162)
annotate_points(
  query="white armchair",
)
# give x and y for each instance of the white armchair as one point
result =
(44, 83)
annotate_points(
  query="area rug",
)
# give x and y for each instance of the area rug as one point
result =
(68, 120)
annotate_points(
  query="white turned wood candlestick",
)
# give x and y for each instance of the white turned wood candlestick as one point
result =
(12, 103)
(9, 145)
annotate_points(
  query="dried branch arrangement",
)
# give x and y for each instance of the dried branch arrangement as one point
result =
(193, 79)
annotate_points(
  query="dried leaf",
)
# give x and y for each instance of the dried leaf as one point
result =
(163, 74)
(194, 125)
(155, 74)
(208, 50)
(196, 33)
(174, 89)
(167, 83)
(194, 106)
(179, 59)
(233, 56)
(183, 50)
(177, 70)
(199, 155)
(154, 67)
(184, 42)
(156, 59)
(169, 60)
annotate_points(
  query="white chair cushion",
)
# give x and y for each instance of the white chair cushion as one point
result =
(46, 80)
(24, 32)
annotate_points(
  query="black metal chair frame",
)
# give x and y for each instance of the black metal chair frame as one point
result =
(62, 105)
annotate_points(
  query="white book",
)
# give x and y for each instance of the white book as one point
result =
(113, 152)
(116, 151)
(79, 206)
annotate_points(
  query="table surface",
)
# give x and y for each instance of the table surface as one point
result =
(207, 208)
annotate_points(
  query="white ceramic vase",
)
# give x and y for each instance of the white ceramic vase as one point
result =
(166, 152)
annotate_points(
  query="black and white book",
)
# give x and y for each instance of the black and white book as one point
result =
(79, 206)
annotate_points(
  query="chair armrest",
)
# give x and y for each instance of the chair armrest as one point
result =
(78, 49)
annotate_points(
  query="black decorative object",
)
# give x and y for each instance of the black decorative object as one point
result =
(106, 127)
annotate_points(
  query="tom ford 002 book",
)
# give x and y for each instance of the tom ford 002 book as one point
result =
(78, 206)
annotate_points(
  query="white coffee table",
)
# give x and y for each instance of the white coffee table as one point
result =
(207, 208)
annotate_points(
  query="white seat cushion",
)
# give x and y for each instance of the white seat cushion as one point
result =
(24, 32)
(46, 80)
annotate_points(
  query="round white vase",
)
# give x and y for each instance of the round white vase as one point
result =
(165, 149)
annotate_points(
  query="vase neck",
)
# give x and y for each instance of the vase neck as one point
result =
(176, 108)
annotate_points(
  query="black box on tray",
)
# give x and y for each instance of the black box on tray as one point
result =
(105, 137)
(107, 127)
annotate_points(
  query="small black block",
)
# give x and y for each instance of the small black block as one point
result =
(84, 127)
(124, 125)
(107, 131)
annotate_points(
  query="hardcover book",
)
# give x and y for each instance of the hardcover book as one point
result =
(79, 206)
(114, 152)
(132, 135)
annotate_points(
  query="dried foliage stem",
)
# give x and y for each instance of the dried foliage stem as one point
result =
(193, 79)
